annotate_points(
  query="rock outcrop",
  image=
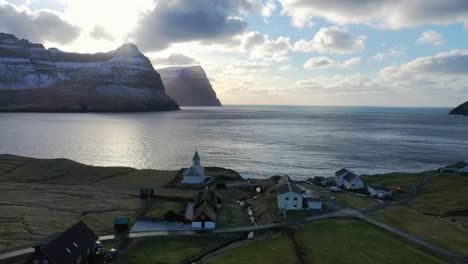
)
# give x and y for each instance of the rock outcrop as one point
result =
(189, 86)
(460, 110)
(33, 78)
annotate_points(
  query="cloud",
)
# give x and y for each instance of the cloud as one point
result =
(454, 62)
(209, 21)
(325, 62)
(287, 67)
(392, 52)
(431, 37)
(331, 40)
(175, 59)
(261, 46)
(248, 66)
(37, 26)
(318, 62)
(392, 14)
(100, 32)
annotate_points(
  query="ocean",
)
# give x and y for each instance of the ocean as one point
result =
(257, 141)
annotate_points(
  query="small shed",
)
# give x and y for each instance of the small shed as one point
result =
(145, 192)
(379, 190)
(121, 224)
(171, 216)
(312, 202)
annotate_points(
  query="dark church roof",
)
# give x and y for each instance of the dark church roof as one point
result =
(67, 246)
(196, 156)
(285, 184)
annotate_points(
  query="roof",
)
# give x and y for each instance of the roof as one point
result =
(284, 179)
(121, 221)
(196, 156)
(350, 176)
(192, 172)
(313, 199)
(286, 185)
(204, 208)
(379, 187)
(68, 245)
(337, 173)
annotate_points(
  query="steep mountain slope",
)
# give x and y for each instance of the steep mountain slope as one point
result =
(33, 78)
(189, 86)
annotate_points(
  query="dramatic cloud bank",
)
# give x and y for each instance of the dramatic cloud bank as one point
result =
(393, 14)
(37, 26)
(211, 21)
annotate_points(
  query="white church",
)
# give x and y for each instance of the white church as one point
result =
(196, 173)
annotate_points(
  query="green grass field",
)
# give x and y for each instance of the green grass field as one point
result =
(395, 179)
(160, 206)
(232, 215)
(354, 200)
(436, 229)
(443, 194)
(176, 249)
(278, 249)
(328, 241)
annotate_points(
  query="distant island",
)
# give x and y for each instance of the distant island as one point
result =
(189, 86)
(35, 79)
(460, 110)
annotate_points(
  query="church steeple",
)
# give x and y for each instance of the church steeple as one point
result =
(196, 158)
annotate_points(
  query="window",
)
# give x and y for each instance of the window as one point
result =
(45, 261)
(287, 198)
(295, 205)
(295, 198)
(36, 261)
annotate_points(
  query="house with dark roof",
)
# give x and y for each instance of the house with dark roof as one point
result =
(348, 180)
(74, 245)
(289, 195)
(340, 175)
(202, 212)
(196, 173)
(379, 190)
(352, 181)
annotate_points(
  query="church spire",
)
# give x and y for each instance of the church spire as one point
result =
(196, 158)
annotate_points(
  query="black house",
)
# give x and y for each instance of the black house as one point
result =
(74, 245)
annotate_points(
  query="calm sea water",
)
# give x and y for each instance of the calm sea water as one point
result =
(256, 140)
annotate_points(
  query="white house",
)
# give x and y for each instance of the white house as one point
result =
(463, 170)
(378, 190)
(289, 195)
(196, 173)
(340, 175)
(352, 182)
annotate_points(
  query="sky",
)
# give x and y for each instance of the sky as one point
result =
(289, 52)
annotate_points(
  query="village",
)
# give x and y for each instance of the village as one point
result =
(219, 201)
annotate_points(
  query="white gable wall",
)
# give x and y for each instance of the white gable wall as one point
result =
(290, 201)
(355, 184)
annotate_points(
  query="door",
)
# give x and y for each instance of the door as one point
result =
(203, 224)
